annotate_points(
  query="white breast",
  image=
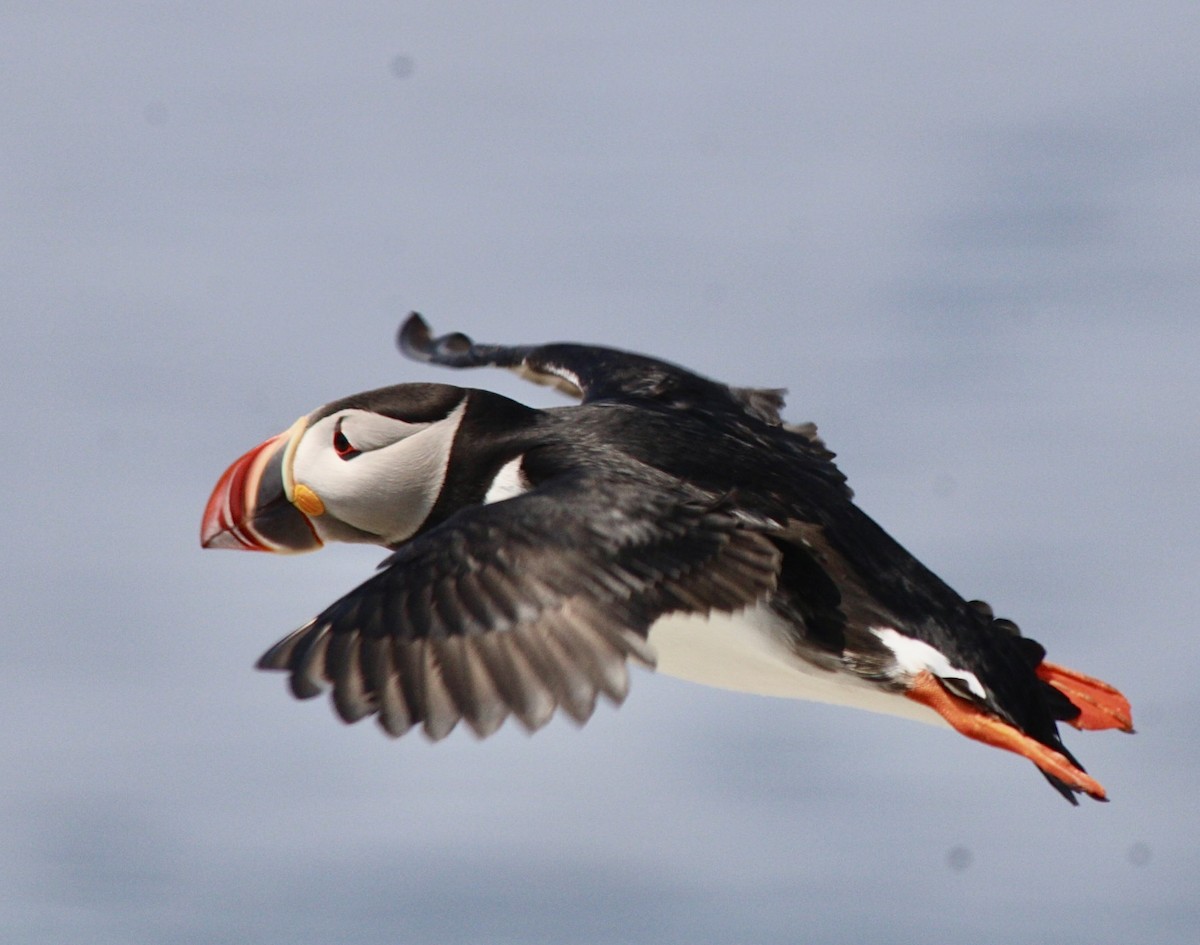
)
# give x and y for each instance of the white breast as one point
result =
(747, 652)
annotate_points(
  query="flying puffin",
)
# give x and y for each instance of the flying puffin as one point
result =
(666, 519)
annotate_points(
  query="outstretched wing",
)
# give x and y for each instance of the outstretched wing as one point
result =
(591, 372)
(524, 606)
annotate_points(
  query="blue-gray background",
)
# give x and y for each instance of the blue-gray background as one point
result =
(965, 237)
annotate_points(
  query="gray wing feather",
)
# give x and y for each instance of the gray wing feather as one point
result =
(501, 610)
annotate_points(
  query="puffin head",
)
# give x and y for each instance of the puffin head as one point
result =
(366, 468)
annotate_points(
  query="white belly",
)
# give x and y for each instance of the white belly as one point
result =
(747, 652)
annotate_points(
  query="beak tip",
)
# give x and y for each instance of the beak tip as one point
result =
(211, 528)
(218, 539)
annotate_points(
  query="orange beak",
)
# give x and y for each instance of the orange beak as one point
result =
(249, 508)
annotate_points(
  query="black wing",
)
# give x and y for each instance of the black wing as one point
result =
(525, 606)
(592, 373)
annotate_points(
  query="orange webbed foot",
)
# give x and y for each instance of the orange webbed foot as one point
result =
(976, 723)
(1100, 705)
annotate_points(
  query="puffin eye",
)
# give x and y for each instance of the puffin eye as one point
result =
(341, 445)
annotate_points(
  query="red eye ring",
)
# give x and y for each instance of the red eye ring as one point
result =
(341, 445)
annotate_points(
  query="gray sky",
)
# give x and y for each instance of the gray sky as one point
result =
(965, 237)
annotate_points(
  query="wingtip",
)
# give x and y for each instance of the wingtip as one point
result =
(415, 339)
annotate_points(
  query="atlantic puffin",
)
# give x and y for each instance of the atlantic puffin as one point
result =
(666, 519)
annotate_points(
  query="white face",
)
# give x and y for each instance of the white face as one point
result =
(379, 476)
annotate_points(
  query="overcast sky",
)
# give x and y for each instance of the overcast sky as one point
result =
(964, 237)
